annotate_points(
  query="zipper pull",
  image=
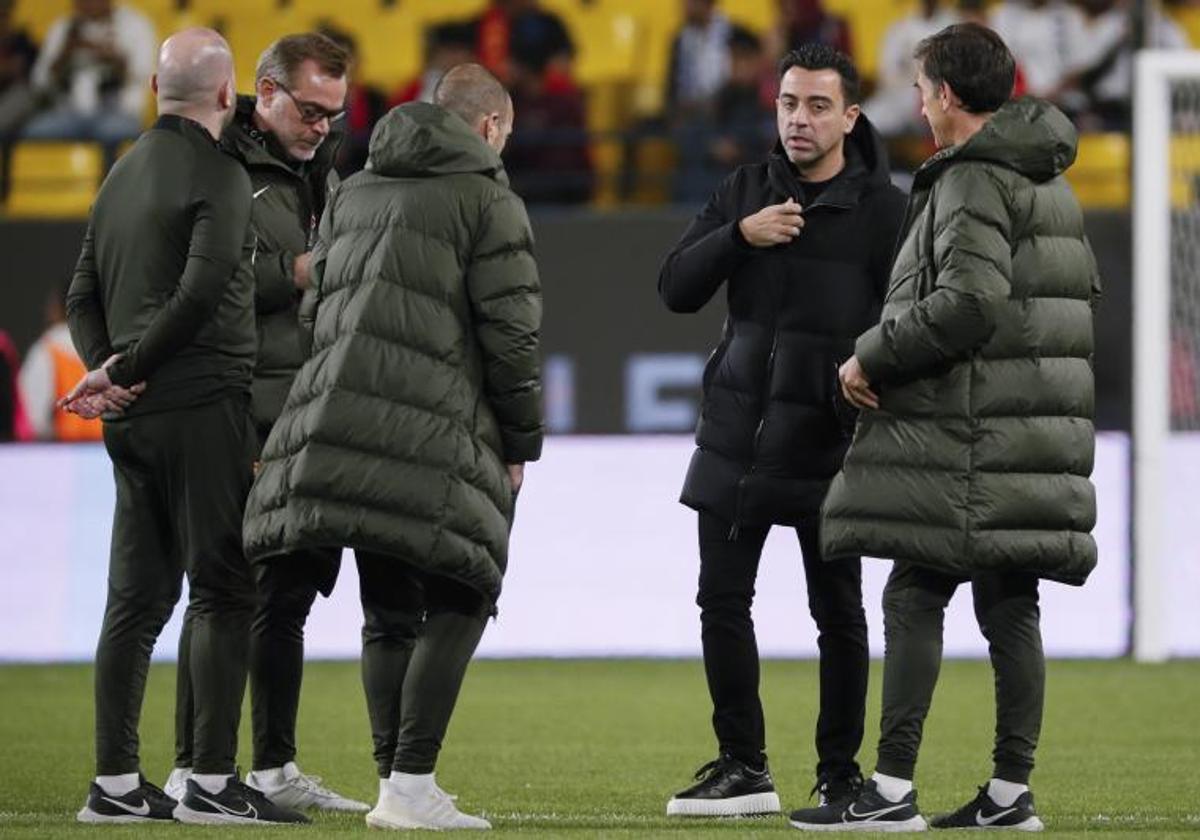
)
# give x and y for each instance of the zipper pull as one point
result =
(734, 531)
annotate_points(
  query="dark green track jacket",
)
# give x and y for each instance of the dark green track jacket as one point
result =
(158, 279)
(979, 456)
(424, 379)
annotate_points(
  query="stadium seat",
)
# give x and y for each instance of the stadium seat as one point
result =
(1185, 171)
(36, 16)
(51, 179)
(1100, 175)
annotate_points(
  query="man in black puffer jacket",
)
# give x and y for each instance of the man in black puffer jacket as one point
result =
(804, 243)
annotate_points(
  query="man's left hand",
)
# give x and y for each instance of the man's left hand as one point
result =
(855, 386)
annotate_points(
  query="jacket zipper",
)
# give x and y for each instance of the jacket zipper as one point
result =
(735, 529)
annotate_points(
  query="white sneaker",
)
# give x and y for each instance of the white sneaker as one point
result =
(431, 808)
(176, 786)
(286, 786)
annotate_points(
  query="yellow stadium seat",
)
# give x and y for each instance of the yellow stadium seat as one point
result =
(234, 8)
(391, 49)
(433, 12)
(52, 179)
(1185, 171)
(1100, 175)
(755, 15)
(37, 16)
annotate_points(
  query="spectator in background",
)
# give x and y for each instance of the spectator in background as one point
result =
(508, 22)
(364, 105)
(700, 66)
(95, 69)
(17, 55)
(895, 109)
(700, 61)
(13, 423)
(973, 11)
(743, 128)
(446, 46)
(1042, 35)
(1099, 88)
(806, 22)
(50, 371)
(547, 158)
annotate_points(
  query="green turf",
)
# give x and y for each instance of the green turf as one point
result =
(594, 748)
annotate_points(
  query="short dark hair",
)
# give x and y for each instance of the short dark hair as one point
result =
(824, 57)
(283, 58)
(974, 61)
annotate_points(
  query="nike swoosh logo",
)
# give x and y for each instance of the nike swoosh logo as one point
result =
(142, 810)
(249, 812)
(980, 819)
(871, 815)
(260, 192)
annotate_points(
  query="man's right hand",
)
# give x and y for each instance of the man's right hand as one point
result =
(301, 269)
(777, 224)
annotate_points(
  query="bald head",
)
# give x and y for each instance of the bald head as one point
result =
(477, 96)
(471, 92)
(193, 67)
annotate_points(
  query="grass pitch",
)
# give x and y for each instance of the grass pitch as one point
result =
(583, 749)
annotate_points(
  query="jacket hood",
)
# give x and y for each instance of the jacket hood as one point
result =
(418, 139)
(1029, 136)
(253, 147)
(866, 162)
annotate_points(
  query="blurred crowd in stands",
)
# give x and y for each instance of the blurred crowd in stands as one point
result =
(88, 80)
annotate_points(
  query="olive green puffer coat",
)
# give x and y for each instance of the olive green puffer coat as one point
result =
(424, 379)
(979, 455)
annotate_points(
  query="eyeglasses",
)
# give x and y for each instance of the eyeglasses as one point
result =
(310, 112)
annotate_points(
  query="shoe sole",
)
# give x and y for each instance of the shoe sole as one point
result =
(375, 820)
(87, 815)
(343, 808)
(1031, 824)
(914, 824)
(187, 816)
(750, 805)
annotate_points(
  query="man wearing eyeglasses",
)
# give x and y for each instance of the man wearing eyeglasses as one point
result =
(286, 138)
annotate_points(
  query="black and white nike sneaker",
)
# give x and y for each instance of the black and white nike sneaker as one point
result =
(984, 812)
(870, 811)
(833, 795)
(145, 803)
(236, 804)
(727, 787)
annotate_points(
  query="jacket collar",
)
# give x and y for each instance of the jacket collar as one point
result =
(843, 192)
(866, 167)
(185, 126)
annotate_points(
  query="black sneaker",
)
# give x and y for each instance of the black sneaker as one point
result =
(868, 812)
(833, 795)
(237, 803)
(145, 803)
(983, 812)
(727, 788)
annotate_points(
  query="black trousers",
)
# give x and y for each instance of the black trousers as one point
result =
(728, 569)
(287, 586)
(419, 634)
(182, 478)
(1006, 607)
